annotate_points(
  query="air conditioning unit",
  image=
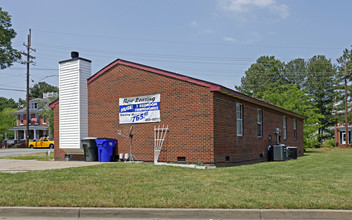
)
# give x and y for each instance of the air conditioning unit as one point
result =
(279, 152)
(292, 153)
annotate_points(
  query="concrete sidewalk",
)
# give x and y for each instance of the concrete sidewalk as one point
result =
(152, 213)
(16, 166)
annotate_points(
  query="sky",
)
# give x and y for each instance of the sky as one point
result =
(212, 40)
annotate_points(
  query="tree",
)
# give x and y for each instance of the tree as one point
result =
(295, 72)
(321, 85)
(7, 103)
(345, 58)
(21, 103)
(266, 73)
(8, 55)
(7, 120)
(292, 98)
(42, 87)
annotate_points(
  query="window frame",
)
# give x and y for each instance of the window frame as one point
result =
(44, 119)
(239, 119)
(295, 129)
(284, 126)
(259, 122)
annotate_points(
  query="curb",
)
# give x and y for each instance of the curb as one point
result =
(167, 213)
(39, 212)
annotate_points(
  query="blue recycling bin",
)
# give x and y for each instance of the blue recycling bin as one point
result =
(105, 149)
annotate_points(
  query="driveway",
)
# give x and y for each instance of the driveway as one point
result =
(19, 151)
(18, 166)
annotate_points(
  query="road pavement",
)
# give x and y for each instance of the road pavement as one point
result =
(19, 151)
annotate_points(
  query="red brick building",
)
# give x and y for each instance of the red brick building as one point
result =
(207, 123)
(340, 135)
(38, 124)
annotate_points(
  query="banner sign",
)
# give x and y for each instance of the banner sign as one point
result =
(140, 109)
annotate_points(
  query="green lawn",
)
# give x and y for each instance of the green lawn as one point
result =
(42, 156)
(322, 179)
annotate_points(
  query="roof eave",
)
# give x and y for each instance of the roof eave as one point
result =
(244, 97)
(52, 105)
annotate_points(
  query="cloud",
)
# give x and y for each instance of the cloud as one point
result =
(251, 38)
(243, 6)
(230, 39)
(193, 24)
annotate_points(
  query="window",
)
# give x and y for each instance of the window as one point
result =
(21, 120)
(239, 119)
(44, 119)
(294, 129)
(33, 106)
(284, 127)
(37, 117)
(260, 122)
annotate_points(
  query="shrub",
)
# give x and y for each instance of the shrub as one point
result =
(330, 143)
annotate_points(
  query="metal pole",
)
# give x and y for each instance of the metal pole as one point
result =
(131, 155)
(346, 108)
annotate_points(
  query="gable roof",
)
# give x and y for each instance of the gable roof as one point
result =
(39, 108)
(213, 87)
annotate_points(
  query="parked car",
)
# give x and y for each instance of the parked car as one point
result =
(43, 142)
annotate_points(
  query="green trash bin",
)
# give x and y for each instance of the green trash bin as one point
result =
(90, 148)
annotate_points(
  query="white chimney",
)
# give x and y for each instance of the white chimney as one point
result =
(73, 106)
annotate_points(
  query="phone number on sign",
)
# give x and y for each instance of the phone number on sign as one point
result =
(139, 117)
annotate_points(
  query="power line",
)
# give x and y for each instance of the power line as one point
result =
(16, 90)
(180, 42)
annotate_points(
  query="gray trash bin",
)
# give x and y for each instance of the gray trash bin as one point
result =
(90, 148)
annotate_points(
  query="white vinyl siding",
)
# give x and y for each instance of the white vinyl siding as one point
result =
(239, 119)
(73, 107)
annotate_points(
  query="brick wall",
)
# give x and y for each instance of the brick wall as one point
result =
(185, 107)
(202, 124)
(248, 148)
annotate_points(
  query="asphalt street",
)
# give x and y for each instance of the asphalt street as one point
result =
(18, 151)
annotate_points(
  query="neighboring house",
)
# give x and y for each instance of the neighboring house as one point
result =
(208, 123)
(38, 125)
(340, 129)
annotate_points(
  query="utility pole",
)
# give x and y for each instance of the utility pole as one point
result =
(29, 60)
(346, 108)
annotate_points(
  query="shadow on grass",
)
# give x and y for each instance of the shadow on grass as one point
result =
(312, 151)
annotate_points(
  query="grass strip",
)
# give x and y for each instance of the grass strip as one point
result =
(319, 180)
(42, 156)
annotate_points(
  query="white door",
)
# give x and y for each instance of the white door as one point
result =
(343, 140)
